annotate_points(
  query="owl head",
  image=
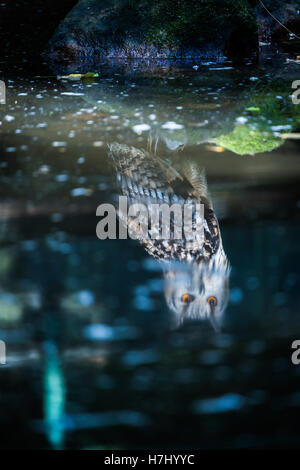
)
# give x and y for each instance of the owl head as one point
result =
(198, 290)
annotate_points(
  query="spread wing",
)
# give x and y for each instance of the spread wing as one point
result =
(147, 179)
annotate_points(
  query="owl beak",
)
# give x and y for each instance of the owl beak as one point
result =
(201, 287)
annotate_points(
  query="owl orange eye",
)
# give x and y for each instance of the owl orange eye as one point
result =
(187, 298)
(212, 301)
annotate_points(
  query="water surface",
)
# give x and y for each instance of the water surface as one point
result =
(91, 359)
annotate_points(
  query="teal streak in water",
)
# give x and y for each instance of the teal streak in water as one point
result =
(54, 396)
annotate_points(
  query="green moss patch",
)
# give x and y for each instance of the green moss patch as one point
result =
(246, 141)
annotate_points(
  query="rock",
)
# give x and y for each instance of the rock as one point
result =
(156, 29)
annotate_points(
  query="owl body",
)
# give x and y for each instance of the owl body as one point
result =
(196, 268)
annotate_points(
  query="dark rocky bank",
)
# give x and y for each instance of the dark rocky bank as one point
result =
(171, 28)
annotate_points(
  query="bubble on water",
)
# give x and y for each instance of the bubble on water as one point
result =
(81, 192)
(9, 118)
(42, 124)
(10, 149)
(171, 125)
(44, 169)
(71, 134)
(39, 96)
(86, 298)
(236, 295)
(22, 94)
(223, 404)
(81, 160)
(59, 144)
(62, 178)
(102, 332)
(152, 117)
(98, 143)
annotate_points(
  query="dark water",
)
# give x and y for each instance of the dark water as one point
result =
(91, 359)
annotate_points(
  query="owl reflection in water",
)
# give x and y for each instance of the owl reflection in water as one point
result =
(196, 275)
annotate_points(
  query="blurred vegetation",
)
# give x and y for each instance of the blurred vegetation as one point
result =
(269, 114)
(194, 21)
(246, 141)
(181, 22)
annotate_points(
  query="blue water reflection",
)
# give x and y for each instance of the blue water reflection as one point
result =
(91, 359)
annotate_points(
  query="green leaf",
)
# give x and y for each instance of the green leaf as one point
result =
(91, 75)
(253, 109)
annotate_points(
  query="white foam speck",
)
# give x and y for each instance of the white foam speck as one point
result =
(281, 128)
(71, 93)
(59, 144)
(171, 125)
(139, 128)
(241, 120)
(44, 169)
